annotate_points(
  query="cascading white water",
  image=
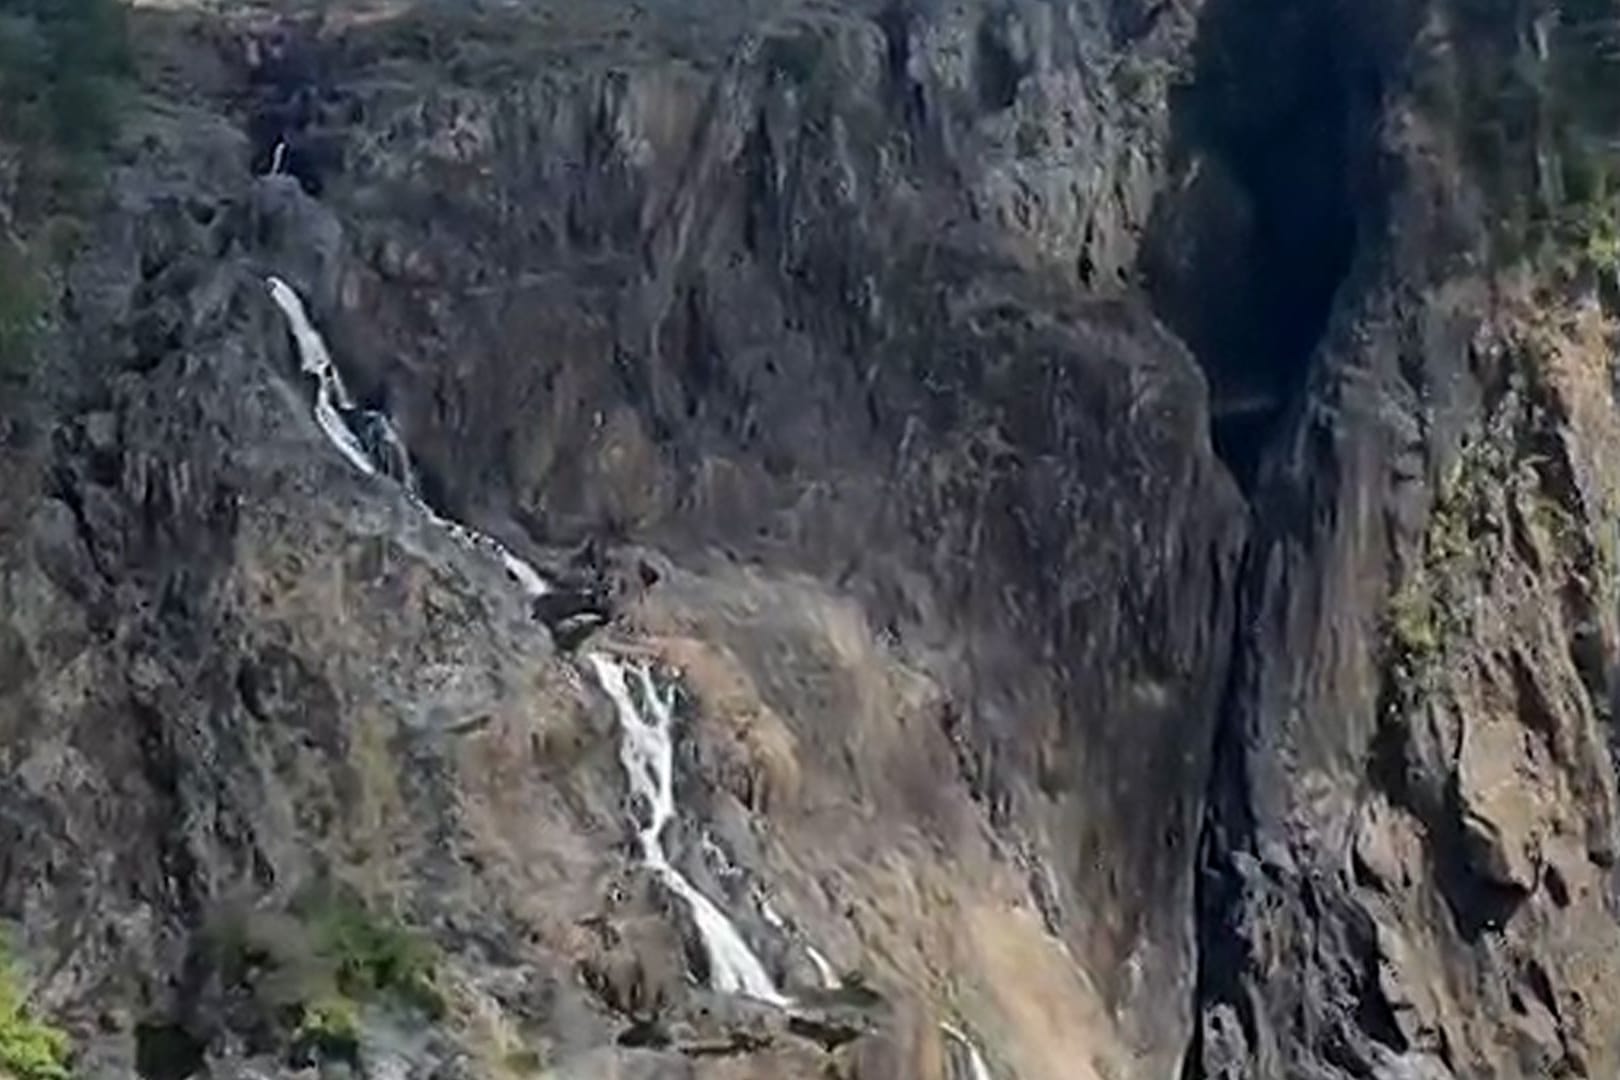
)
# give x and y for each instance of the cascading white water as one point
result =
(824, 968)
(646, 749)
(976, 1063)
(647, 753)
(329, 389)
(331, 396)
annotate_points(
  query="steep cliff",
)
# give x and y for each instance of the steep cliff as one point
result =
(996, 445)
(1409, 863)
(781, 327)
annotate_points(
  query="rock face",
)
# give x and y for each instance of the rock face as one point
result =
(1408, 871)
(1031, 436)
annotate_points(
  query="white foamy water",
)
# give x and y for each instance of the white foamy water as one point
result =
(522, 573)
(527, 577)
(330, 393)
(331, 396)
(773, 918)
(977, 1066)
(647, 753)
(824, 969)
(646, 747)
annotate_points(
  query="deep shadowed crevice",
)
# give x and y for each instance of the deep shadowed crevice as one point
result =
(1246, 252)
(996, 71)
(293, 103)
(1244, 258)
(167, 1052)
(1228, 826)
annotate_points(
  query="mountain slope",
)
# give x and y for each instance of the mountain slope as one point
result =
(1113, 497)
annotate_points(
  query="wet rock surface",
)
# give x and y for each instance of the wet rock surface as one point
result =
(1133, 600)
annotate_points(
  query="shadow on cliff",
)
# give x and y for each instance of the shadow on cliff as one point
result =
(1246, 250)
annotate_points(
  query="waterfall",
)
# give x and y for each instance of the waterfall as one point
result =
(824, 968)
(278, 158)
(333, 403)
(647, 754)
(646, 747)
(977, 1066)
(330, 393)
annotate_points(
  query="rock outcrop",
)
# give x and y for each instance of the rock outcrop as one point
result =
(1409, 861)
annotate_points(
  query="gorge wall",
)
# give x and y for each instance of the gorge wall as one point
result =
(1132, 538)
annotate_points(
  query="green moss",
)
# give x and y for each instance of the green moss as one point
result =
(30, 1049)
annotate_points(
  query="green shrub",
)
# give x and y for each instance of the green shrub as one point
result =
(29, 1048)
(310, 969)
(1413, 627)
(371, 956)
(1429, 609)
(1599, 234)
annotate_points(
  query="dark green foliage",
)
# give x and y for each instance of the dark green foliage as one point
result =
(372, 956)
(1429, 611)
(309, 970)
(60, 63)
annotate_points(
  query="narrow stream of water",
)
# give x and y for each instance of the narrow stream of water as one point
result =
(647, 752)
(333, 407)
(978, 1068)
(646, 714)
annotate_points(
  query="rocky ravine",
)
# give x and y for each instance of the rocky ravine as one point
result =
(866, 368)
